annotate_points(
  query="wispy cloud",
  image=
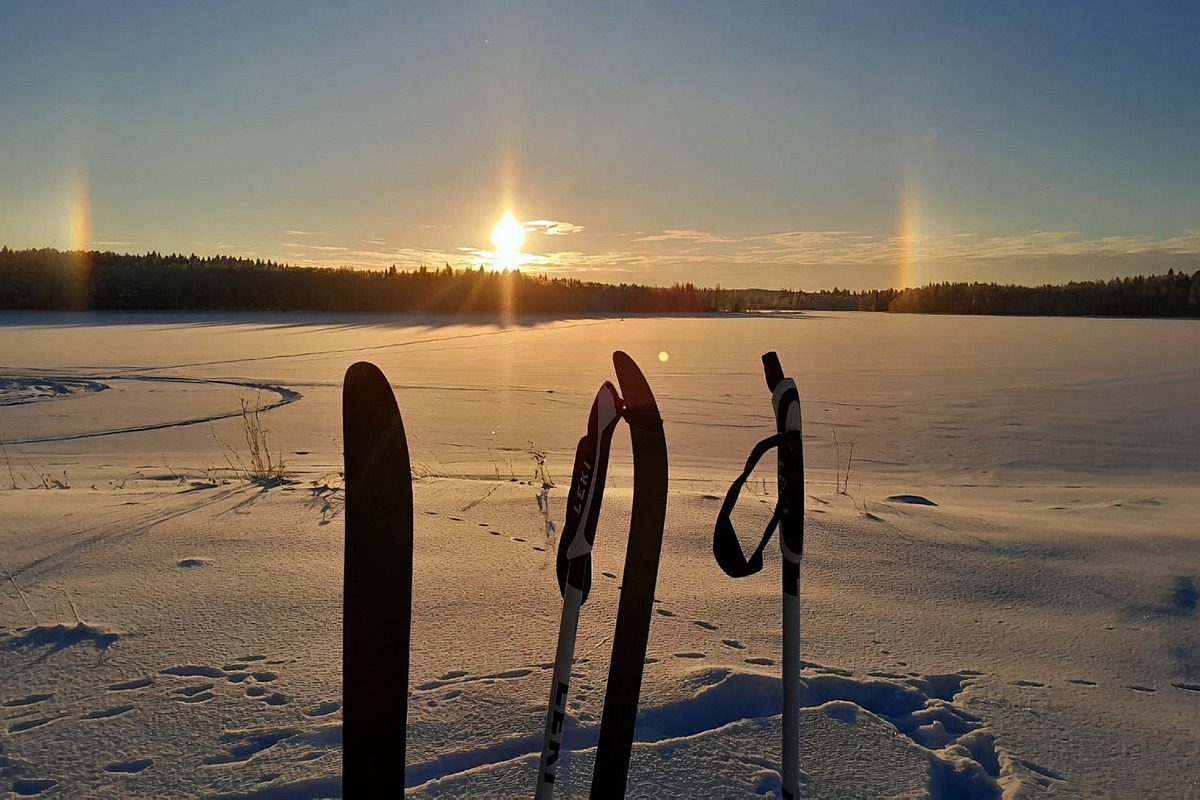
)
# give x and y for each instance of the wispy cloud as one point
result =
(306, 233)
(549, 227)
(315, 255)
(854, 247)
(686, 236)
(109, 243)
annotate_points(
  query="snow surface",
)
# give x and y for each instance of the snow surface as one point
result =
(1004, 603)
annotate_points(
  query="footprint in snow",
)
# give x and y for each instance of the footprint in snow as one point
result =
(108, 713)
(690, 655)
(324, 709)
(508, 673)
(129, 767)
(29, 724)
(31, 786)
(242, 677)
(734, 643)
(762, 662)
(139, 683)
(664, 612)
(845, 673)
(194, 671)
(1187, 687)
(1034, 684)
(911, 499)
(1144, 689)
(28, 701)
(708, 626)
(203, 697)
(1081, 682)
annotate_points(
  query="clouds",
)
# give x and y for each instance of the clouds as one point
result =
(853, 247)
(548, 227)
(803, 259)
(685, 236)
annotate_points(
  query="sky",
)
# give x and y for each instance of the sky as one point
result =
(770, 144)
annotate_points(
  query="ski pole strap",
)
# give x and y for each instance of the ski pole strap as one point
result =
(726, 547)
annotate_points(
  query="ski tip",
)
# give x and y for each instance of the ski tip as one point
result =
(363, 373)
(606, 410)
(367, 401)
(773, 369)
(608, 394)
(641, 409)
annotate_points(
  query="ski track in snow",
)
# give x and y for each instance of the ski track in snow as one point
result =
(285, 394)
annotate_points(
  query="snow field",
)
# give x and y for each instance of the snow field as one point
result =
(166, 631)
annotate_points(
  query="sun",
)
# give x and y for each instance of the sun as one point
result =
(507, 235)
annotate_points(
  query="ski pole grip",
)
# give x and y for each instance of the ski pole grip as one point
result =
(773, 369)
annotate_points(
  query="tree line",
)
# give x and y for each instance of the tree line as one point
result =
(1170, 295)
(49, 279)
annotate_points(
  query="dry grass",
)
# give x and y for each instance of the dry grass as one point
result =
(43, 479)
(842, 479)
(255, 464)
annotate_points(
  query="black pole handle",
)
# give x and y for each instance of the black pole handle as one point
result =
(773, 369)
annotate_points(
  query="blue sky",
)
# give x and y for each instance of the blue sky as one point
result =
(783, 145)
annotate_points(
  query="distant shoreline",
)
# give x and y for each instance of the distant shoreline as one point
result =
(51, 280)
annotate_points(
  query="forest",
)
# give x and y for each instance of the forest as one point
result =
(53, 280)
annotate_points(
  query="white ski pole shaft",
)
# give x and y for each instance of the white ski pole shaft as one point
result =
(556, 713)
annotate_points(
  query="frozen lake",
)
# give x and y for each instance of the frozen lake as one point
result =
(960, 398)
(1040, 619)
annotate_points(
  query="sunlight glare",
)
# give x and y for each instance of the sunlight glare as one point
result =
(507, 236)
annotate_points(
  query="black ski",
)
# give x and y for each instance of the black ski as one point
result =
(638, 581)
(377, 595)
